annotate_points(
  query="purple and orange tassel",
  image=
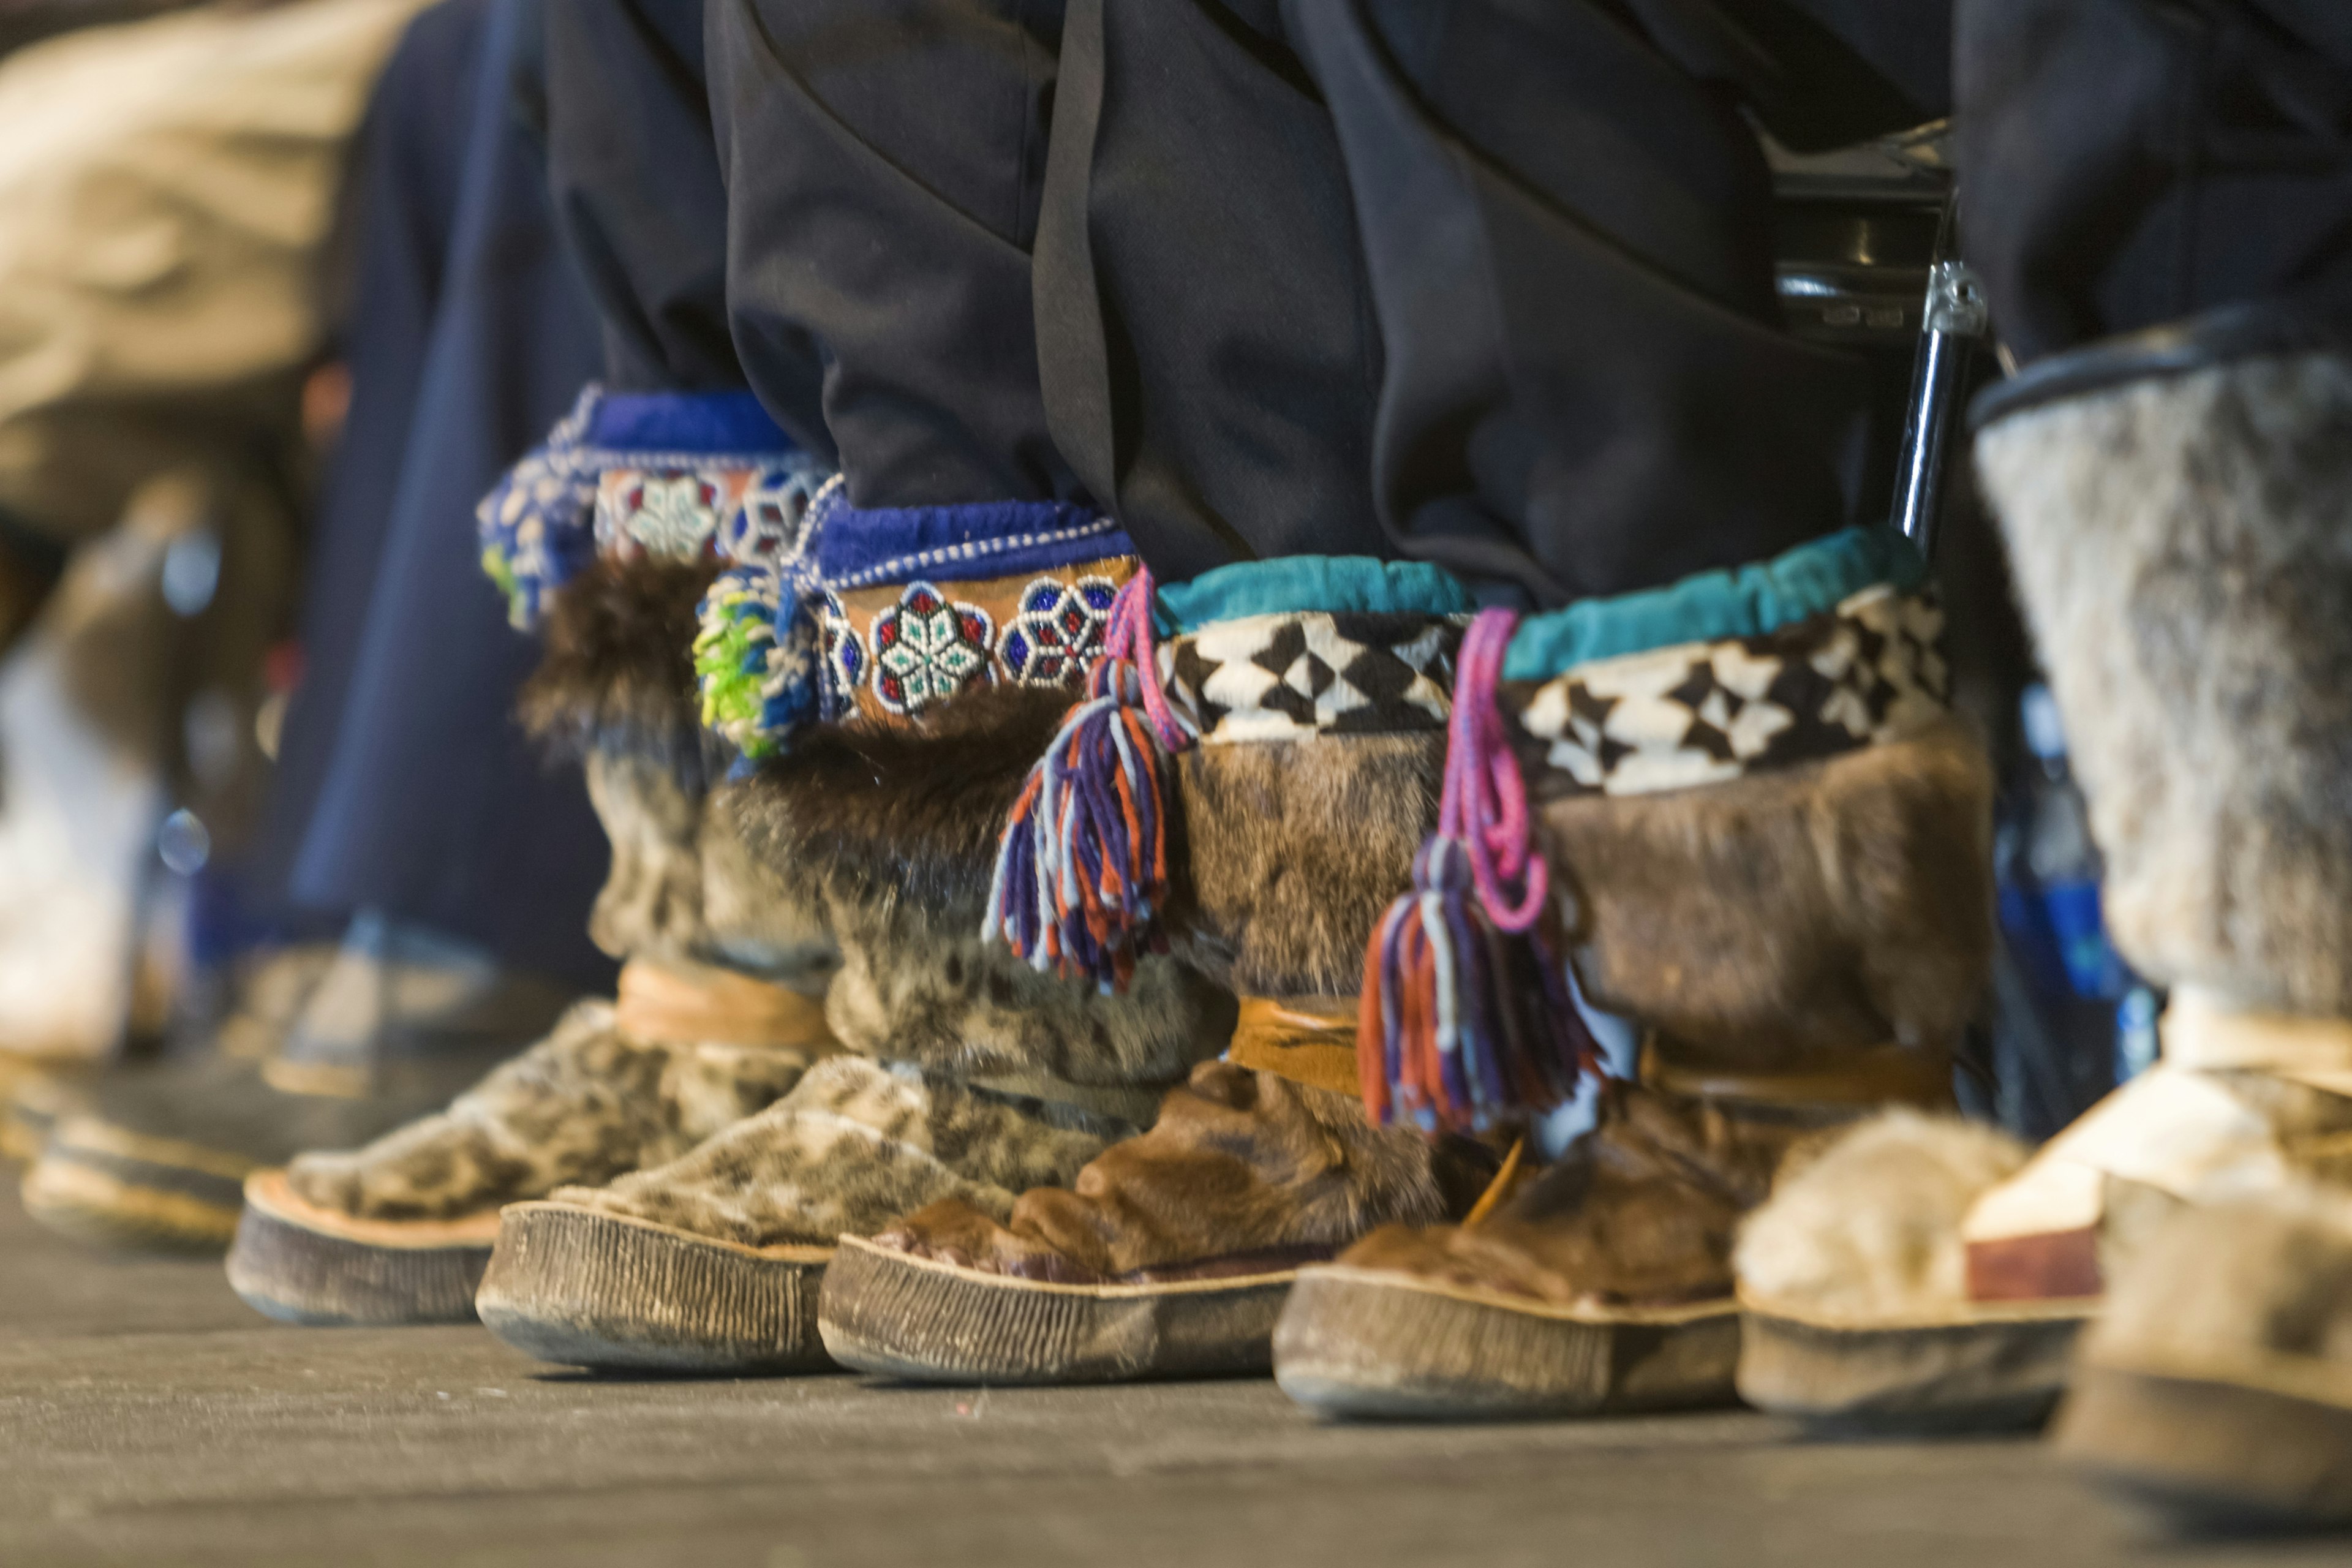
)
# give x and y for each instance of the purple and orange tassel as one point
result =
(1468, 1023)
(1081, 872)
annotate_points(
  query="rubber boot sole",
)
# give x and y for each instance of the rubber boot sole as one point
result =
(104, 1184)
(33, 1106)
(1362, 1343)
(580, 1288)
(301, 1264)
(917, 1319)
(2261, 1446)
(1995, 1369)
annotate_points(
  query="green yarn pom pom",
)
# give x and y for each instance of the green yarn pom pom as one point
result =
(730, 666)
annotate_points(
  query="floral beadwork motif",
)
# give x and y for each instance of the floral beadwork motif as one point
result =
(667, 512)
(1058, 633)
(927, 647)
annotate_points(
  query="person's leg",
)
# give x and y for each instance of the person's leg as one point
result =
(2158, 199)
(1567, 225)
(2165, 230)
(633, 173)
(881, 168)
(883, 165)
(738, 973)
(2130, 166)
(1209, 353)
(1485, 285)
(1316, 721)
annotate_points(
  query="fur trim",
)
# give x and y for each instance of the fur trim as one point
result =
(893, 832)
(586, 1104)
(1872, 1225)
(618, 672)
(684, 885)
(854, 1146)
(921, 987)
(1839, 904)
(885, 813)
(2239, 1281)
(1295, 850)
(761, 917)
(2184, 550)
(651, 902)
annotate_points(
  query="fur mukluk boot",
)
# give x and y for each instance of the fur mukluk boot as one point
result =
(1767, 846)
(151, 1155)
(265, 990)
(945, 642)
(2180, 510)
(399, 1020)
(719, 1008)
(2217, 1384)
(1305, 705)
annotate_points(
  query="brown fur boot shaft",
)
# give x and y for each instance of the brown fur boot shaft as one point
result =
(1296, 847)
(1839, 904)
(618, 671)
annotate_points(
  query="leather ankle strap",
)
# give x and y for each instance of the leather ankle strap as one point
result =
(1310, 1041)
(2202, 1034)
(699, 1005)
(1878, 1075)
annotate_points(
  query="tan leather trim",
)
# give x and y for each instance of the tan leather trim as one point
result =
(53, 1184)
(2312, 1379)
(1498, 1191)
(1923, 1319)
(1111, 1290)
(332, 1080)
(268, 1192)
(101, 1137)
(1882, 1074)
(1528, 1306)
(1310, 1041)
(698, 1005)
(2202, 1032)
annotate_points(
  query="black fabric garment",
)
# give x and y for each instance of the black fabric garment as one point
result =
(1210, 361)
(434, 808)
(1819, 73)
(884, 161)
(634, 177)
(1553, 280)
(2131, 163)
(412, 151)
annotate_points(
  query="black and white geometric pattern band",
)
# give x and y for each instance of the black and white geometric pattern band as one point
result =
(1289, 677)
(1700, 713)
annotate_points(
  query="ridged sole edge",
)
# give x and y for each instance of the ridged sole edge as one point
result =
(2207, 1451)
(892, 1315)
(1370, 1344)
(580, 1288)
(1977, 1374)
(292, 1267)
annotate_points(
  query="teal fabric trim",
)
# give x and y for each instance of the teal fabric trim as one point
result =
(1301, 584)
(1814, 577)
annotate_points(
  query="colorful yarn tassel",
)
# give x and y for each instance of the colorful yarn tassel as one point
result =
(1082, 873)
(1469, 1023)
(756, 644)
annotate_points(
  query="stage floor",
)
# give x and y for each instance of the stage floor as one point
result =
(146, 1417)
